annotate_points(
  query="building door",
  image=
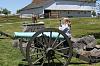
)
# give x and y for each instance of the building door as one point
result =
(47, 13)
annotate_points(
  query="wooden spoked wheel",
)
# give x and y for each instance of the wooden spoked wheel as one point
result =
(22, 46)
(47, 50)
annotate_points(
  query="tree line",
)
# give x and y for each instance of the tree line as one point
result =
(5, 11)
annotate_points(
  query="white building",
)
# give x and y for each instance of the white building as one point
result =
(60, 8)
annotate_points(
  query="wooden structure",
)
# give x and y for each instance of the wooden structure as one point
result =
(59, 8)
(33, 27)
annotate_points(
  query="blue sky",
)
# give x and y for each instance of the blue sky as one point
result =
(14, 5)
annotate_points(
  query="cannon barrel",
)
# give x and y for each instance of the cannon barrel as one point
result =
(30, 34)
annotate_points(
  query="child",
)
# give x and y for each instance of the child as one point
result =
(66, 27)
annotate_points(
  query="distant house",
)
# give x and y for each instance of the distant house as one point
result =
(59, 8)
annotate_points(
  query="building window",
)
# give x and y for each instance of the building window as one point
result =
(78, 12)
(84, 12)
(68, 12)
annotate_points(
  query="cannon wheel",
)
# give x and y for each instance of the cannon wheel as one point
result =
(22, 46)
(46, 51)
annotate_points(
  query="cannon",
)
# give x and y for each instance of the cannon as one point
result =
(44, 46)
(48, 47)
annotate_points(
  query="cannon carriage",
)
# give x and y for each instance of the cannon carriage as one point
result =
(47, 47)
(45, 36)
(46, 44)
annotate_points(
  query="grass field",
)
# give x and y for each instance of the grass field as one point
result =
(10, 56)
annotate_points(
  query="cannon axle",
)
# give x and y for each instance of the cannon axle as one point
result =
(50, 53)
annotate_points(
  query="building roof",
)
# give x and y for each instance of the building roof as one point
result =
(60, 5)
(70, 5)
(36, 4)
(32, 6)
(79, 0)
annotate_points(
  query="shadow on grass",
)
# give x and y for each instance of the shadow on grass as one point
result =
(56, 64)
(78, 63)
(46, 64)
(3, 38)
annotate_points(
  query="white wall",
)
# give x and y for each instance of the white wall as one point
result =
(28, 13)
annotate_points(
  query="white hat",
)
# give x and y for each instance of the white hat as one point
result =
(66, 19)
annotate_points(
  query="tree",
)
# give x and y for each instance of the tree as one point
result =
(6, 12)
(0, 11)
(94, 13)
(18, 11)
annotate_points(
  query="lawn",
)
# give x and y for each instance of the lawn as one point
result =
(10, 56)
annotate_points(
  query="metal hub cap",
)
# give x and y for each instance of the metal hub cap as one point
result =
(50, 52)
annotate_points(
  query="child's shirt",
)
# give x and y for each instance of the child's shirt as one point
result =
(65, 29)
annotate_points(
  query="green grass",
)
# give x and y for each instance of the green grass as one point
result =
(10, 56)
